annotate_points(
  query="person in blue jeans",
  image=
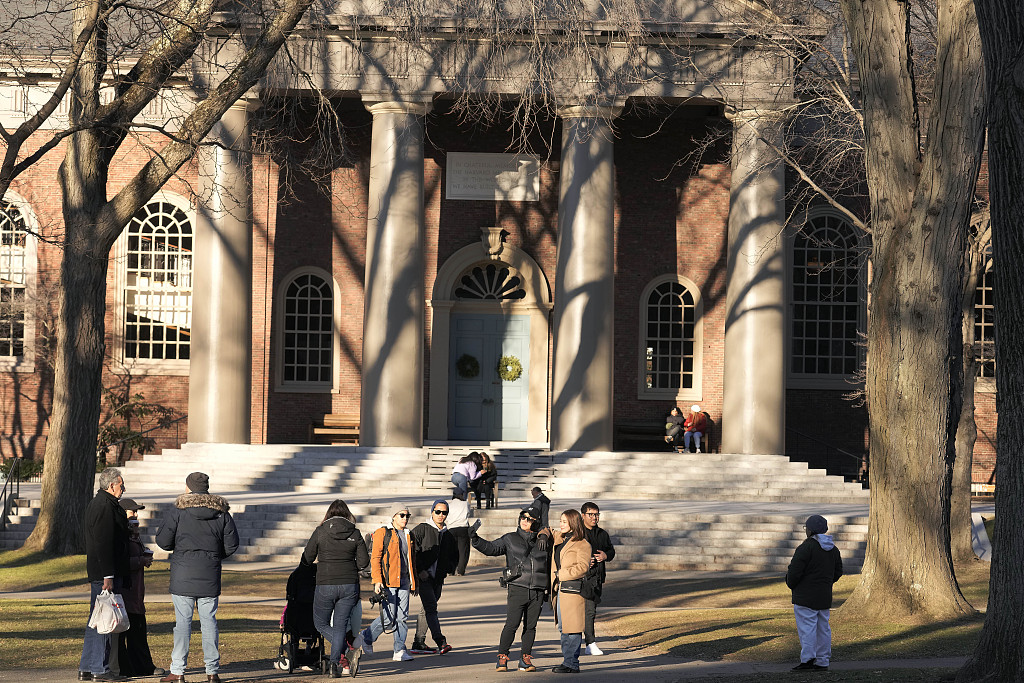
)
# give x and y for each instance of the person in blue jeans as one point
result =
(393, 570)
(340, 553)
(107, 564)
(200, 533)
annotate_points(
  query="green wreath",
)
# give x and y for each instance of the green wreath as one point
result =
(509, 368)
(467, 366)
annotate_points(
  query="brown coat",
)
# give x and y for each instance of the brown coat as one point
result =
(394, 565)
(575, 560)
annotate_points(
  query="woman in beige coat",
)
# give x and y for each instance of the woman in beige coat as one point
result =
(570, 561)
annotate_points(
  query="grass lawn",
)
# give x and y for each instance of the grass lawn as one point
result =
(47, 634)
(751, 619)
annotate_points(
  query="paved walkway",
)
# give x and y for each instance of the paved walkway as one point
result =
(472, 614)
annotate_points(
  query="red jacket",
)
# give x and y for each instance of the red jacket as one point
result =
(696, 423)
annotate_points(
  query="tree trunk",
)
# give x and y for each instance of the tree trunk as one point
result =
(919, 209)
(961, 538)
(999, 654)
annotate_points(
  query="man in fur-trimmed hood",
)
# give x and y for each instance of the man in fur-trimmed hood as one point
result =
(200, 533)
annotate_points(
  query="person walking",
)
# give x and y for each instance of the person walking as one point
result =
(593, 584)
(541, 504)
(437, 556)
(526, 576)
(569, 564)
(815, 566)
(393, 571)
(105, 526)
(133, 655)
(340, 553)
(458, 524)
(200, 533)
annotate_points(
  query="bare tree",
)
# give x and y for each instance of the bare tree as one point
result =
(921, 166)
(133, 53)
(999, 654)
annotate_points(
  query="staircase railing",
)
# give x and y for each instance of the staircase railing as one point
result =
(11, 491)
(834, 454)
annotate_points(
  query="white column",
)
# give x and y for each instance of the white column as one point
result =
(220, 369)
(394, 299)
(754, 401)
(582, 384)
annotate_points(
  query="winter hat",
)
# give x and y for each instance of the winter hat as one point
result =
(442, 501)
(198, 482)
(129, 504)
(530, 512)
(816, 524)
(400, 508)
(695, 408)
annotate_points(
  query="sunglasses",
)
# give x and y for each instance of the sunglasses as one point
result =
(440, 512)
(404, 514)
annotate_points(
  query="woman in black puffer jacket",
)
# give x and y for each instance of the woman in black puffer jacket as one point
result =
(526, 554)
(340, 552)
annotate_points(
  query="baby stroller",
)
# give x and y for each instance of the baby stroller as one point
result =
(301, 644)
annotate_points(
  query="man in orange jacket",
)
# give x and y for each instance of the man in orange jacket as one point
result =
(394, 578)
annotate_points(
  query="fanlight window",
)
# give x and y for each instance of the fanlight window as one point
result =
(13, 280)
(490, 282)
(158, 286)
(308, 330)
(670, 338)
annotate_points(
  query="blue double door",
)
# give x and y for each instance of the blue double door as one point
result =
(486, 407)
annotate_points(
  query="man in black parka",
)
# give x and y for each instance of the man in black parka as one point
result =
(437, 556)
(593, 583)
(816, 565)
(527, 554)
(106, 561)
(200, 533)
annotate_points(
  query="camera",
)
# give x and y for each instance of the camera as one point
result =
(377, 598)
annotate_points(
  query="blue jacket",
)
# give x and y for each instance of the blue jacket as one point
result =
(200, 533)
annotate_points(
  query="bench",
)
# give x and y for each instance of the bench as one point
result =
(335, 428)
(650, 436)
(518, 470)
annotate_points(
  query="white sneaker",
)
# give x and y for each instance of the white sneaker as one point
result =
(402, 656)
(593, 649)
(698, 450)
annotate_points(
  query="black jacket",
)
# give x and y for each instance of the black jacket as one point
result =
(106, 538)
(200, 533)
(526, 547)
(432, 546)
(542, 504)
(339, 550)
(599, 539)
(816, 565)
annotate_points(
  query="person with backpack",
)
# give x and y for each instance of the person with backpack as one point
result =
(340, 553)
(526, 575)
(393, 571)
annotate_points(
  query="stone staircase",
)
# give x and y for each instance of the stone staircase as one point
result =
(664, 511)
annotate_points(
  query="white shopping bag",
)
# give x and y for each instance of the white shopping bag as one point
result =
(108, 614)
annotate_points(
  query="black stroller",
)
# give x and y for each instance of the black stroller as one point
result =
(301, 644)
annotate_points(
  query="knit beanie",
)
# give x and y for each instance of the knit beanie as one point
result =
(816, 524)
(198, 482)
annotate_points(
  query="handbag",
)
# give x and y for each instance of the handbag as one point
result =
(573, 586)
(109, 614)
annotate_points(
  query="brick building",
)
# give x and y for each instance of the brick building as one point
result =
(611, 280)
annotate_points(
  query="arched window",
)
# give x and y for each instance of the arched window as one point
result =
(495, 282)
(670, 336)
(17, 271)
(828, 301)
(308, 336)
(157, 296)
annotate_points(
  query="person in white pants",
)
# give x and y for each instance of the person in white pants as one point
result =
(815, 566)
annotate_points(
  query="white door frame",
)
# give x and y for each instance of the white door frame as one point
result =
(536, 304)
